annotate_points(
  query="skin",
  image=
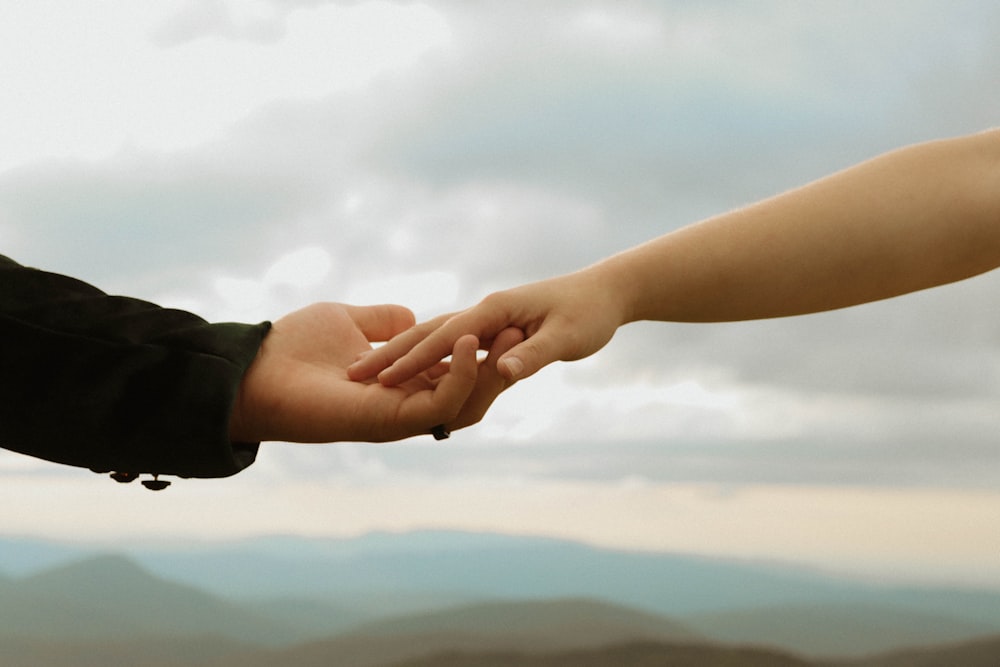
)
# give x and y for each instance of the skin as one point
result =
(297, 389)
(908, 220)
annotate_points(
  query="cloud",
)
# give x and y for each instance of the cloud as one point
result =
(252, 21)
(175, 76)
(305, 267)
(285, 286)
(647, 129)
(134, 214)
(429, 292)
(241, 159)
(455, 148)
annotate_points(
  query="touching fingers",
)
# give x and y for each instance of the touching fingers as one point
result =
(490, 383)
(419, 349)
(443, 404)
(414, 355)
(374, 362)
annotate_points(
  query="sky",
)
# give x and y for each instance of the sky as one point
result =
(243, 158)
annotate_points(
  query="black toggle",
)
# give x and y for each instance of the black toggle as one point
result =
(155, 484)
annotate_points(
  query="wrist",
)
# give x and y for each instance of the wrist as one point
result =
(611, 278)
(243, 426)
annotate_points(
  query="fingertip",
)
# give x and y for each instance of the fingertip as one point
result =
(368, 364)
(406, 317)
(467, 342)
(464, 355)
(399, 319)
(511, 367)
(359, 370)
(387, 377)
(459, 382)
(491, 380)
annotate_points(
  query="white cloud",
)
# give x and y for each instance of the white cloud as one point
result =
(427, 294)
(88, 83)
(244, 299)
(251, 20)
(306, 267)
(611, 27)
(427, 153)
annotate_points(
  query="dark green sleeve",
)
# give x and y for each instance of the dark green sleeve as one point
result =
(117, 384)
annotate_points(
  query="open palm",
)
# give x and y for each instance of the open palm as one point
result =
(298, 390)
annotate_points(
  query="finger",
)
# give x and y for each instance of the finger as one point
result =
(437, 370)
(411, 358)
(381, 322)
(489, 382)
(374, 362)
(530, 356)
(444, 403)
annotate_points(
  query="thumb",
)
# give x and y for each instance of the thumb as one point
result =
(381, 322)
(527, 358)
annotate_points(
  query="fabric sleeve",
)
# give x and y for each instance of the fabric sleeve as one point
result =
(117, 384)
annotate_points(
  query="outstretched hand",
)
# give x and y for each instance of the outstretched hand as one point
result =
(562, 319)
(298, 390)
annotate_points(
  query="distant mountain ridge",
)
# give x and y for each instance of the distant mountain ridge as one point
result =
(568, 622)
(525, 626)
(488, 566)
(111, 598)
(634, 654)
(984, 652)
(286, 592)
(821, 629)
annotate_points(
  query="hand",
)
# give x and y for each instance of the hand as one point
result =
(297, 389)
(564, 318)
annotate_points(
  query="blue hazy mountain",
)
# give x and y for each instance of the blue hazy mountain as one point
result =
(463, 567)
(109, 597)
(288, 589)
(478, 566)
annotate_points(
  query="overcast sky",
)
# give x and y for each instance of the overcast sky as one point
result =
(243, 158)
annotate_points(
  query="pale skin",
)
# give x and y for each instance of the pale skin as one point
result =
(911, 219)
(297, 388)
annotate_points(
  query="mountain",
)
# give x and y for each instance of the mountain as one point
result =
(544, 623)
(110, 598)
(379, 575)
(107, 609)
(147, 652)
(983, 652)
(498, 626)
(644, 654)
(836, 629)
(316, 619)
(284, 591)
(464, 567)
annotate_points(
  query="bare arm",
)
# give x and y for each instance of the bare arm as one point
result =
(907, 220)
(911, 219)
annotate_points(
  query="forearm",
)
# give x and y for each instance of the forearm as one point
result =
(113, 383)
(910, 219)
